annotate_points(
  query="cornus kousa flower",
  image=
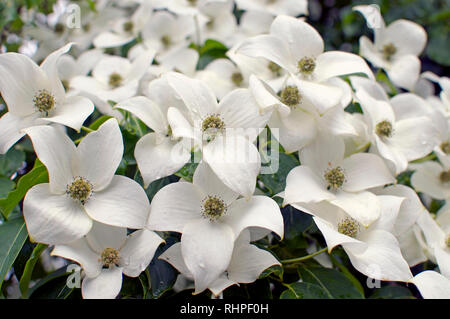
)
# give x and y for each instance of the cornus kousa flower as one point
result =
(246, 264)
(224, 131)
(297, 47)
(395, 47)
(296, 119)
(35, 95)
(432, 178)
(82, 186)
(373, 251)
(106, 253)
(276, 7)
(159, 153)
(114, 78)
(325, 175)
(210, 218)
(397, 134)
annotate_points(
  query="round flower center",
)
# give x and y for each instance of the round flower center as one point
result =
(128, 26)
(59, 28)
(210, 24)
(388, 51)
(274, 68)
(335, 178)
(384, 129)
(192, 2)
(447, 241)
(80, 189)
(290, 96)
(115, 80)
(213, 207)
(306, 65)
(166, 41)
(349, 227)
(211, 126)
(445, 177)
(44, 101)
(445, 147)
(237, 78)
(109, 257)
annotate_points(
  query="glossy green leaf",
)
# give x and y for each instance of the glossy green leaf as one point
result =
(304, 290)
(29, 266)
(11, 162)
(392, 292)
(6, 186)
(13, 234)
(276, 182)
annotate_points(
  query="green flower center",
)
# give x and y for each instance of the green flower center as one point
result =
(80, 189)
(211, 126)
(306, 65)
(274, 68)
(192, 2)
(128, 26)
(445, 177)
(349, 227)
(115, 80)
(445, 147)
(388, 51)
(237, 78)
(109, 257)
(335, 178)
(59, 28)
(166, 41)
(44, 101)
(213, 207)
(384, 129)
(210, 24)
(290, 96)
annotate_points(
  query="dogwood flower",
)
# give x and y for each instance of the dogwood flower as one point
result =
(397, 134)
(159, 153)
(107, 253)
(210, 217)
(225, 131)
(373, 251)
(432, 285)
(432, 178)
(35, 96)
(325, 175)
(395, 48)
(297, 47)
(82, 186)
(246, 264)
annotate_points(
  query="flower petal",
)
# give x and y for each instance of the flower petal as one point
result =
(336, 63)
(432, 285)
(107, 285)
(365, 207)
(10, 129)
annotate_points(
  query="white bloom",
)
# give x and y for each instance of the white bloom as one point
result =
(325, 175)
(225, 131)
(432, 178)
(82, 186)
(210, 218)
(246, 264)
(276, 7)
(106, 253)
(395, 48)
(373, 251)
(398, 131)
(159, 153)
(35, 96)
(432, 285)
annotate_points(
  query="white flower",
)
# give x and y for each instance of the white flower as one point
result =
(251, 23)
(106, 253)
(82, 186)
(395, 48)
(246, 264)
(373, 251)
(276, 7)
(225, 131)
(398, 131)
(210, 218)
(35, 96)
(432, 178)
(159, 153)
(297, 47)
(325, 175)
(432, 285)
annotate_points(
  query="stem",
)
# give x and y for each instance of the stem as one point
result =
(429, 157)
(87, 129)
(300, 259)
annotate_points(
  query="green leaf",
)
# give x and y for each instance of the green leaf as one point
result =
(334, 283)
(13, 234)
(187, 171)
(347, 273)
(37, 175)
(11, 162)
(6, 186)
(53, 286)
(212, 50)
(392, 292)
(29, 266)
(304, 290)
(276, 182)
(98, 122)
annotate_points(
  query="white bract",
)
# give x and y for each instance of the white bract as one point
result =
(82, 186)
(210, 218)
(35, 95)
(106, 253)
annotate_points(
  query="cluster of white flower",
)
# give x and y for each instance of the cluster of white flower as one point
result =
(275, 74)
